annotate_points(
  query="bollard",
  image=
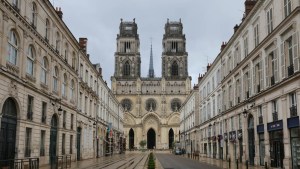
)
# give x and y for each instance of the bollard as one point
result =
(229, 162)
(266, 165)
(246, 164)
(237, 164)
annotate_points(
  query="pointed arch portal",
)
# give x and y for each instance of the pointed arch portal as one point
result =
(131, 139)
(171, 138)
(151, 139)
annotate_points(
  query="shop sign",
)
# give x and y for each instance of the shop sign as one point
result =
(293, 122)
(260, 128)
(276, 125)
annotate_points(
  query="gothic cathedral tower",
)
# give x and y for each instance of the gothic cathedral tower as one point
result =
(127, 56)
(174, 55)
(151, 104)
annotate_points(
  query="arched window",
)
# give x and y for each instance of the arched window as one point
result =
(33, 14)
(64, 86)
(30, 60)
(44, 71)
(47, 31)
(126, 69)
(174, 69)
(55, 79)
(12, 48)
(72, 90)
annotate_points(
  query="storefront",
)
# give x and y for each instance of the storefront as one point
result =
(276, 143)
(220, 143)
(260, 132)
(240, 138)
(293, 125)
(226, 145)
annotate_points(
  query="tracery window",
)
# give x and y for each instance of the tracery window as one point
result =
(126, 69)
(174, 69)
(150, 105)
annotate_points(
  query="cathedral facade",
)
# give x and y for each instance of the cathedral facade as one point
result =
(151, 104)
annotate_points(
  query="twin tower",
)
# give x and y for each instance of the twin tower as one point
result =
(174, 55)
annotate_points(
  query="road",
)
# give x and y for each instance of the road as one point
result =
(171, 161)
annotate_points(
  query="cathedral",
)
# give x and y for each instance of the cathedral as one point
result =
(151, 104)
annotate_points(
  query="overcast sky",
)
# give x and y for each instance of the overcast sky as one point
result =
(206, 24)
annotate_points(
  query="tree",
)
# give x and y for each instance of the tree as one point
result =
(143, 143)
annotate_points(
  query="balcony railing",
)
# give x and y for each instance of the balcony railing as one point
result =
(275, 116)
(28, 163)
(291, 70)
(260, 119)
(293, 111)
(272, 80)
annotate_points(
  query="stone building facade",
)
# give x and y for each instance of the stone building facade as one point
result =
(49, 107)
(249, 95)
(151, 104)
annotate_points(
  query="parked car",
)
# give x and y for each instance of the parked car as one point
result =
(178, 152)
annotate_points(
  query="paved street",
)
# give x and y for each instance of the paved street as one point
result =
(170, 161)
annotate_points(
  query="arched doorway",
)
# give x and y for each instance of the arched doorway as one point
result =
(8, 130)
(131, 139)
(171, 138)
(151, 139)
(78, 142)
(53, 141)
(251, 139)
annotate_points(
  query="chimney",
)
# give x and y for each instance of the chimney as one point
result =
(83, 44)
(223, 45)
(59, 12)
(236, 27)
(200, 78)
(249, 4)
(100, 71)
(196, 87)
(208, 66)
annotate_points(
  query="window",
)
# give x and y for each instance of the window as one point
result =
(44, 112)
(260, 115)
(271, 68)
(30, 60)
(258, 76)
(232, 123)
(44, 71)
(174, 46)
(126, 69)
(81, 70)
(245, 46)
(64, 86)
(127, 47)
(274, 110)
(33, 14)
(270, 20)
(15, 3)
(237, 56)
(30, 108)
(71, 144)
(55, 79)
(256, 35)
(42, 143)
(57, 42)
(293, 104)
(66, 52)
(91, 82)
(28, 142)
(73, 61)
(86, 105)
(287, 7)
(174, 69)
(150, 105)
(246, 80)
(72, 121)
(64, 119)
(47, 30)
(12, 48)
(80, 100)
(72, 90)
(237, 91)
(86, 76)
(240, 122)
(126, 104)
(63, 144)
(175, 105)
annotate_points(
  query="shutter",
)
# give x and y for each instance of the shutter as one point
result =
(261, 67)
(282, 61)
(267, 71)
(276, 65)
(295, 51)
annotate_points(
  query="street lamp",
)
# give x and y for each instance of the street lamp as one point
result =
(245, 113)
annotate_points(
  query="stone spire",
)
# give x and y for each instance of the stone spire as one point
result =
(151, 70)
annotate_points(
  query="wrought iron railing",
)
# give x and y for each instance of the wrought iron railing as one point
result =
(28, 163)
(293, 111)
(275, 116)
(291, 70)
(260, 119)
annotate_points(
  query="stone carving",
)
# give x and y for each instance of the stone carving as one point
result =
(13, 90)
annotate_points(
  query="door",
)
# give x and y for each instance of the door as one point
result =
(241, 150)
(131, 139)
(78, 142)
(151, 140)
(171, 138)
(8, 130)
(251, 142)
(53, 142)
(277, 154)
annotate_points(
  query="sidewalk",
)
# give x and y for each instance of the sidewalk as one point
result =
(224, 164)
